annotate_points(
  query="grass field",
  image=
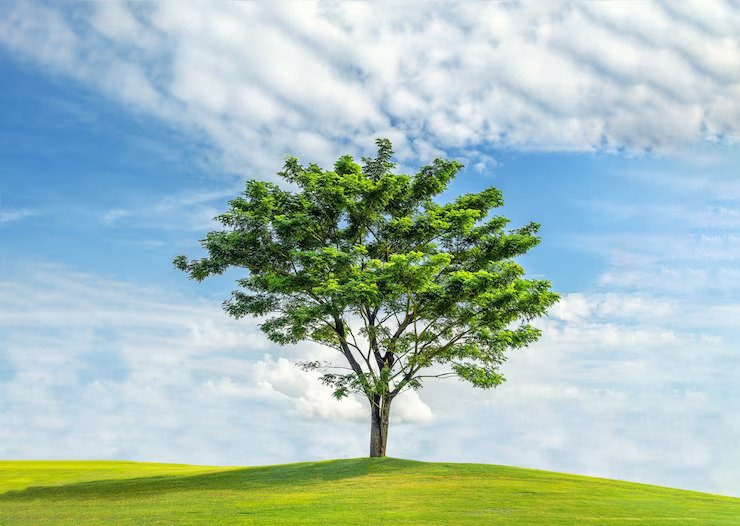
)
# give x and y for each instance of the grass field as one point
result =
(338, 492)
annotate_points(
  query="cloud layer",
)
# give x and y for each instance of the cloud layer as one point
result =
(118, 371)
(313, 79)
(112, 370)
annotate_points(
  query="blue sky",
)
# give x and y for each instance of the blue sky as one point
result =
(126, 127)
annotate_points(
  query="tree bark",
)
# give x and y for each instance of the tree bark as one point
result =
(380, 410)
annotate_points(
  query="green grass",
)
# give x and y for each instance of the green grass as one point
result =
(338, 492)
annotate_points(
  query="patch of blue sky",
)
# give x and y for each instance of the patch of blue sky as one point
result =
(98, 179)
(120, 193)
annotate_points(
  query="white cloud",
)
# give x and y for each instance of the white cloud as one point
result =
(111, 216)
(678, 279)
(134, 373)
(262, 80)
(612, 306)
(108, 345)
(683, 262)
(12, 215)
(571, 307)
(611, 390)
(310, 399)
(191, 210)
(410, 408)
(113, 370)
(115, 21)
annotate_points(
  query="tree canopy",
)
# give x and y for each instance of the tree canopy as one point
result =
(367, 262)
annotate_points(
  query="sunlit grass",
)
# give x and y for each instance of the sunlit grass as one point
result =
(356, 491)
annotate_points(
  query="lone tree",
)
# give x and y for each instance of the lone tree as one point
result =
(364, 261)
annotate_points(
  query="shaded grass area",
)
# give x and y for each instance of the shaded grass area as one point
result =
(354, 491)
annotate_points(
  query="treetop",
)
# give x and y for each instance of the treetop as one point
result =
(364, 260)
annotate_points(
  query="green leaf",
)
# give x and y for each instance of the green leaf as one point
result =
(374, 265)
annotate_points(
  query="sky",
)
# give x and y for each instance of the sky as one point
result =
(126, 127)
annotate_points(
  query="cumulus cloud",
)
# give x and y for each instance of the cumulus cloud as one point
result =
(571, 307)
(319, 79)
(310, 398)
(408, 407)
(280, 379)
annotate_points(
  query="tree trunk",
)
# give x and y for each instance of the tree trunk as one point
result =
(380, 410)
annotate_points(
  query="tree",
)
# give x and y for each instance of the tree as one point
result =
(364, 261)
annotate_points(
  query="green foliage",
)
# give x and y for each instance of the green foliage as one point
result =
(342, 492)
(365, 261)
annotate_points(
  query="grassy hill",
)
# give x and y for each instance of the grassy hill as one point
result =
(338, 492)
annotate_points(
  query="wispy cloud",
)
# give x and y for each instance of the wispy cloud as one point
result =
(189, 210)
(111, 216)
(11, 215)
(319, 79)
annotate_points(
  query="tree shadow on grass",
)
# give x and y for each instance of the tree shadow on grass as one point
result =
(238, 479)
